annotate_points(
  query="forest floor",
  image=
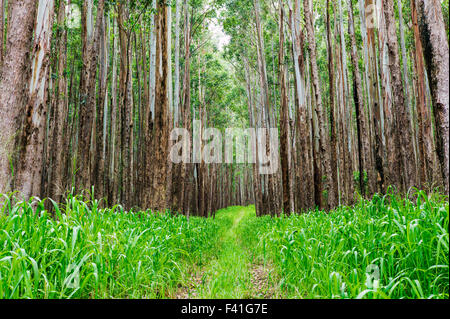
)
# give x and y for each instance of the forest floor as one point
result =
(387, 247)
(234, 271)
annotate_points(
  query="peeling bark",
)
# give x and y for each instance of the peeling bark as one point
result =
(436, 53)
(14, 83)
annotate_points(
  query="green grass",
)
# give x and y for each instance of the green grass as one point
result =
(228, 274)
(117, 254)
(121, 254)
(334, 255)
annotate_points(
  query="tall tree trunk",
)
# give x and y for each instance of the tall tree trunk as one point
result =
(392, 157)
(125, 106)
(327, 194)
(159, 200)
(425, 139)
(177, 64)
(345, 116)
(400, 114)
(58, 184)
(102, 110)
(115, 125)
(186, 167)
(269, 118)
(30, 163)
(284, 121)
(375, 104)
(436, 52)
(304, 175)
(256, 182)
(152, 86)
(405, 70)
(334, 177)
(365, 164)
(14, 82)
(2, 31)
(91, 46)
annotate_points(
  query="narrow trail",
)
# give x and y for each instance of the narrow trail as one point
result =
(233, 272)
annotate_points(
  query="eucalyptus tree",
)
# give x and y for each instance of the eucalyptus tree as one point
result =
(13, 83)
(436, 49)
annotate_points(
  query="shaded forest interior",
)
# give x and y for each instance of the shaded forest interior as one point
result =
(90, 92)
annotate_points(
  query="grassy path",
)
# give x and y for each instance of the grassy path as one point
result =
(232, 272)
(91, 253)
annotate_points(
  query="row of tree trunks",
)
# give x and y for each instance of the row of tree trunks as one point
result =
(381, 147)
(327, 196)
(404, 164)
(88, 93)
(108, 128)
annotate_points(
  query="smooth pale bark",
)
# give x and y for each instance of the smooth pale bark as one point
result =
(176, 101)
(115, 141)
(436, 53)
(13, 82)
(171, 106)
(152, 85)
(169, 62)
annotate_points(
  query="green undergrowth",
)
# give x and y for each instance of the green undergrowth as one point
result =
(227, 275)
(388, 247)
(88, 252)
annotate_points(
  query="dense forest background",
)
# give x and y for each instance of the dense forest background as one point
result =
(91, 90)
